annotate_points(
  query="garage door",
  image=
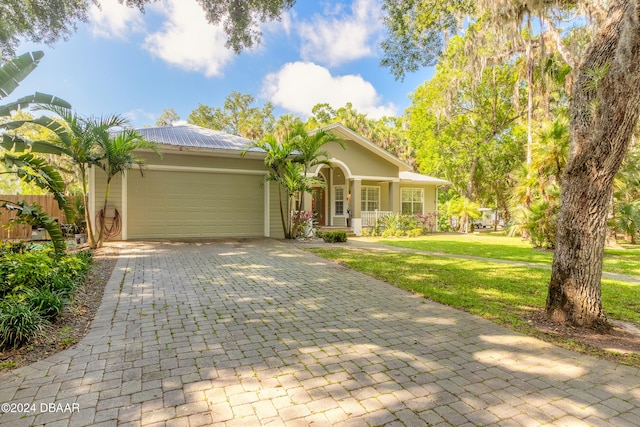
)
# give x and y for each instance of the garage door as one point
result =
(177, 204)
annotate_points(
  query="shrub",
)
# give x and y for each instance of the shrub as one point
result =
(27, 270)
(47, 302)
(399, 233)
(19, 247)
(414, 232)
(365, 232)
(389, 232)
(35, 287)
(19, 323)
(36, 269)
(339, 236)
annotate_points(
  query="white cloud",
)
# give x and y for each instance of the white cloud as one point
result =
(187, 40)
(342, 37)
(114, 20)
(298, 86)
(139, 117)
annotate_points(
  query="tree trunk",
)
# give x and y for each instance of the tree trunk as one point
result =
(87, 213)
(604, 113)
(471, 182)
(102, 217)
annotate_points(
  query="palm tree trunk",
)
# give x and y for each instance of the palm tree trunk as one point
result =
(284, 223)
(87, 214)
(104, 210)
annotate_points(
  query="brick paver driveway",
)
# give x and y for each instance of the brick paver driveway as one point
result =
(260, 333)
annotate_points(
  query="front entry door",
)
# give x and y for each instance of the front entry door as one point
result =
(317, 205)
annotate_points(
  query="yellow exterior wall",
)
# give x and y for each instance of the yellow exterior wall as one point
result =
(115, 196)
(199, 159)
(275, 220)
(360, 161)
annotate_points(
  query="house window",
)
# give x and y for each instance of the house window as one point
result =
(338, 197)
(412, 200)
(370, 198)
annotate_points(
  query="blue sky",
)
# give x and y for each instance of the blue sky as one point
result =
(136, 64)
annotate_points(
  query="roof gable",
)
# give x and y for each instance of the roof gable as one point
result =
(342, 131)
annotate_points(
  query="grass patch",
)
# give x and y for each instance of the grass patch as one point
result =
(502, 293)
(622, 261)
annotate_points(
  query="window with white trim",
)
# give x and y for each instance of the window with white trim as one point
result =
(369, 198)
(338, 197)
(412, 200)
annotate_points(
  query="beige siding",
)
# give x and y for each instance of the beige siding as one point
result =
(115, 197)
(275, 220)
(202, 160)
(339, 221)
(360, 161)
(182, 204)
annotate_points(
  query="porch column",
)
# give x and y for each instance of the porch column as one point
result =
(125, 207)
(394, 196)
(308, 197)
(356, 215)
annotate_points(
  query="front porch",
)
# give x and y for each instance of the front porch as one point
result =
(344, 201)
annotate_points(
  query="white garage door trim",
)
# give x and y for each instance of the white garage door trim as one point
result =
(125, 207)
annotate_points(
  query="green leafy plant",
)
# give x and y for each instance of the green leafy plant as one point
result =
(19, 323)
(414, 232)
(338, 236)
(45, 301)
(27, 270)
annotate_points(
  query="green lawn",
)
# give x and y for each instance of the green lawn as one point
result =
(498, 292)
(623, 261)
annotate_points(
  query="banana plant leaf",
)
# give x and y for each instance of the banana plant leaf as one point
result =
(19, 144)
(36, 98)
(35, 170)
(14, 71)
(33, 215)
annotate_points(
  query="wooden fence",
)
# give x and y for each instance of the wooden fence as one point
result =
(9, 230)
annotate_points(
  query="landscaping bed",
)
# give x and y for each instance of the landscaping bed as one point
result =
(73, 322)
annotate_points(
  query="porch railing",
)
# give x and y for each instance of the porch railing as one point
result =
(370, 218)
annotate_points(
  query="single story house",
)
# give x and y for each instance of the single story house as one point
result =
(202, 187)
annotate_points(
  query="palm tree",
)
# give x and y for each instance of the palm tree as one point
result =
(309, 150)
(78, 139)
(277, 154)
(118, 157)
(285, 125)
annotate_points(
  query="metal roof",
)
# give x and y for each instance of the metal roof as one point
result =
(416, 177)
(195, 136)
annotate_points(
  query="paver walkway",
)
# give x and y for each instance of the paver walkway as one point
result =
(260, 333)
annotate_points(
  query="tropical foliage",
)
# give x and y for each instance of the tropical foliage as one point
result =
(117, 157)
(25, 164)
(238, 116)
(35, 287)
(288, 161)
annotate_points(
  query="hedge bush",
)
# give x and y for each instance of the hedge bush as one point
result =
(339, 236)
